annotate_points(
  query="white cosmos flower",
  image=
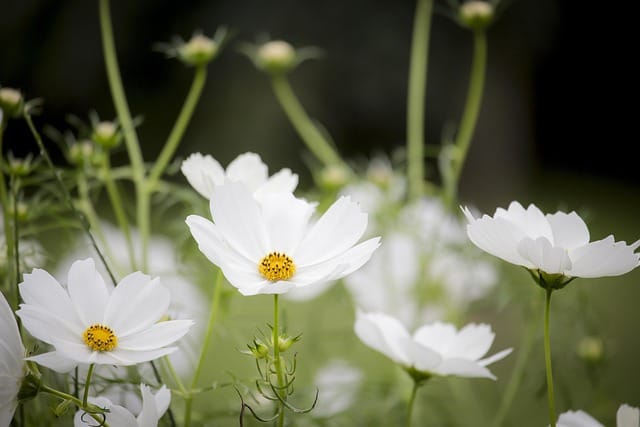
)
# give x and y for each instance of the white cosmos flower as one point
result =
(553, 243)
(204, 173)
(627, 416)
(271, 247)
(435, 349)
(153, 407)
(12, 369)
(90, 321)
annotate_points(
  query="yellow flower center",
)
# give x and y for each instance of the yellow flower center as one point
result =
(277, 266)
(100, 338)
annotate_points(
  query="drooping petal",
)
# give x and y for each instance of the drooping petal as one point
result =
(239, 220)
(163, 400)
(337, 230)
(203, 173)
(158, 335)
(286, 218)
(569, 230)
(249, 169)
(135, 304)
(88, 292)
(384, 334)
(543, 256)
(495, 357)
(148, 416)
(604, 258)
(627, 416)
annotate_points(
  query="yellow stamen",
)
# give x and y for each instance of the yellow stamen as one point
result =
(100, 338)
(277, 266)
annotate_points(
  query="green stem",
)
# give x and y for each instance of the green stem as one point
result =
(276, 357)
(547, 360)
(213, 312)
(170, 146)
(6, 216)
(516, 376)
(65, 396)
(87, 384)
(143, 211)
(416, 96)
(118, 210)
(469, 116)
(412, 400)
(307, 130)
(15, 188)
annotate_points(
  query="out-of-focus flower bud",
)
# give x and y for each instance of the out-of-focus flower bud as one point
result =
(107, 135)
(476, 14)
(11, 102)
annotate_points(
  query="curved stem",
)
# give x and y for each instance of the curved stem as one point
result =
(412, 399)
(469, 116)
(213, 312)
(416, 96)
(307, 130)
(547, 360)
(276, 357)
(65, 396)
(170, 146)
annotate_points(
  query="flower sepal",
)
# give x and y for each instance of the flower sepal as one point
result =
(419, 377)
(31, 383)
(553, 281)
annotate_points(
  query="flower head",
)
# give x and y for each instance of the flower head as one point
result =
(153, 407)
(92, 322)
(271, 247)
(204, 173)
(627, 416)
(12, 367)
(554, 245)
(435, 349)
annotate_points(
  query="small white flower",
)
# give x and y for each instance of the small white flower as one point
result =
(204, 173)
(12, 369)
(153, 407)
(627, 416)
(92, 322)
(435, 349)
(272, 247)
(553, 243)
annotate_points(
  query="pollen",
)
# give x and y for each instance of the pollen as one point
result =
(277, 266)
(100, 338)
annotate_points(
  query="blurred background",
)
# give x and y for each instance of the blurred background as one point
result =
(556, 128)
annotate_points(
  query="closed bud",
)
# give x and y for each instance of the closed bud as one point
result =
(276, 56)
(11, 102)
(333, 177)
(200, 50)
(81, 152)
(476, 14)
(106, 134)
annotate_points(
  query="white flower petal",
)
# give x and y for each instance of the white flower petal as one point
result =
(569, 230)
(55, 361)
(115, 416)
(40, 289)
(158, 335)
(532, 221)
(44, 325)
(463, 368)
(8, 409)
(386, 335)
(337, 230)
(129, 357)
(286, 219)
(498, 237)
(437, 336)
(577, 419)
(543, 256)
(148, 417)
(249, 169)
(239, 220)
(627, 416)
(267, 287)
(88, 292)
(604, 258)
(203, 173)
(471, 342)
(282, 181)
(136, 303)
(163, 400)
(11, 348)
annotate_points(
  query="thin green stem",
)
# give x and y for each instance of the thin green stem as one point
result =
(412, 399)
(6, 216)
(307, 130)
(174, 138)
(213, 312)
(416, 96)
(65, 396)
(277, 361)
(547, 359)
(469, 116)
(65, 192)
(143, 211)
(15, 188)
(118, 209)
(87, 384)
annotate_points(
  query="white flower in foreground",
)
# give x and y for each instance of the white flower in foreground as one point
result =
(204, 173)
(553, 244)
(627, 416)
(435, 349)
(92, 322)
(153, 407)
(12, 369)
(272, 247)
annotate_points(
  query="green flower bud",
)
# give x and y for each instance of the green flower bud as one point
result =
(276, 56)
(285, 342)
(259, 350)
(106, 135)
(476, 14)
(81, 152)
(11, 102)
(200, 50)
(20, 167)
(333, 177)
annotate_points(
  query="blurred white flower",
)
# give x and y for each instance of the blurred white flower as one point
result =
(90, 321)
(338, 384)
(436, 349)
(12, 367)
(272, 247)
(627, 416)
(153, 407)
(204, 173)
(553, 244)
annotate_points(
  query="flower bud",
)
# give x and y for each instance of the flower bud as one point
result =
(106, 135)
(259, 350)
(333, 177)
(11, 102)
(200, 50)
(276, 56)
(81, 152)
(476, 14)
(591, 349)
(20, 167)
(285, 343)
